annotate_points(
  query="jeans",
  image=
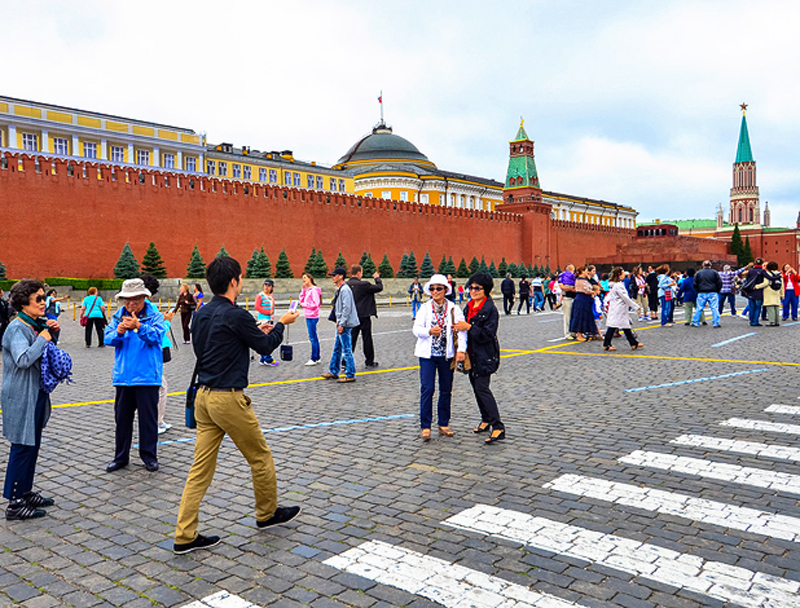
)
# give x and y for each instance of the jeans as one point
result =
(415, 304)
(712, 299)
(666, 310)
(730, 297)
(428, 368)
(538, 301)
(22, 458)
(790, 304)
(754, 311)
(343, 347)
(311, 325)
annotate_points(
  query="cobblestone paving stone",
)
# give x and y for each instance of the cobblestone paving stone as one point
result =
(566, 414)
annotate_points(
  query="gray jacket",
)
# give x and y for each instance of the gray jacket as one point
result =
(22, 361)
(345, 308)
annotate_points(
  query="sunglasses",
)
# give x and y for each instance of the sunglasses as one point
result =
(438, 288)
(40, 298)
(476, 287)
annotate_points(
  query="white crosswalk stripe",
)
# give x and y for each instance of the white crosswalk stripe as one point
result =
(223, 599)
(760, 478)
(438, 580)
(777, 408)
(778, 452)
(681, 505)
(712, 579)
(762, 425)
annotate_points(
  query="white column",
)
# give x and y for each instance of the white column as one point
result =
(201, 163)
(12, 137)
(44, 144)
(179, 161)
(131, 159)
(156, 160)
(104, 149)
(76, 146)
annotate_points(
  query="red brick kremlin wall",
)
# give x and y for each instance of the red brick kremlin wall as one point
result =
(57, 224)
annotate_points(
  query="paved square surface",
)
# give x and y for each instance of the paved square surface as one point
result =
(666, 477)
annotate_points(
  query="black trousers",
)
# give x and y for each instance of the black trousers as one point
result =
(186, 318)
(508, 303)
(127, 401)
(98, 323)
(610, 331)
(524, 300)
(22, 458)
(365, 329)
(486, 402)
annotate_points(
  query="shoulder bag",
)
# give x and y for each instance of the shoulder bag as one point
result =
(85, 318)
(465, 365)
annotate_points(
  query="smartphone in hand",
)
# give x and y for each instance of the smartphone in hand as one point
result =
(293, 306)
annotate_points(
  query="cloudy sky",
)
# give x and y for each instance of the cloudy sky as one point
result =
(628, 101)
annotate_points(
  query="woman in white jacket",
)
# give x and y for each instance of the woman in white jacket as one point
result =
(433, 328)
(619, 305)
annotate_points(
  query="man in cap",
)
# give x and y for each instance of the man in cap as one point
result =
(136, 331)
(345, 315)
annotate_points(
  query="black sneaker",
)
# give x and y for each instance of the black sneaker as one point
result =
(36, 500)
(201, 542)
(19, 509)
(281, 516)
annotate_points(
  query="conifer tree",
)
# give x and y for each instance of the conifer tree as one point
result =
(493, 271)
(443, 265)
(483, 267)
(737, 246)
(127, 267)
(152, 262)
(223, 253)
(411, 266)
(427, 269)
(196, 268)
(474, 265)
(402, 269)
(340, 261)
(747, 254)
(451, 267)
(385, 268)
(319, 268)
(367, 265)
(513, 270)
(2, 271)
(312, 259)
(523, 270)
(547, 270)
(283, 269)
(502, 267)
(262, 268)
(462, 272)
(251, 263)
(535, 270)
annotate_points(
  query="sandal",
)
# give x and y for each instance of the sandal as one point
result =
(425, 435)
(446, 431)
(609, 348)
(496, 435)
(637, 346)
(481, 428)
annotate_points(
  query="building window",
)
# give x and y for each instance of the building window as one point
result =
(191, 164)
(60, 146)
(223, 169)
(247, 172)
(441, 199)
(117, 154)
(262, 175)
(320, 183)
(387, 194)
(310, 181)
(143, 157)
(30, 142)
(368, 195)
(237, 170)
(423, 198)
(403, 195)
(287, 179)
(273, 176)
(341, 185)
(333, 184)
(169, 161)
(211, 167)
(89, 149)
(297, 179)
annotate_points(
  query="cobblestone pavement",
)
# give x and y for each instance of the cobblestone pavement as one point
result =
(677, 494)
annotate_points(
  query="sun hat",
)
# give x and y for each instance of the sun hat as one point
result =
(437, 279)
(132, 288)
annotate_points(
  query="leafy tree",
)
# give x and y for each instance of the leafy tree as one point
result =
(251, 263)
(402, 269)
(319, 268)
(493, 270)
(483, 267)
(462, 272)
(309, 267)
(513, 270)
(196, 268)
(737, 246)
(262, 268)
(502, 267)
(474, 265)
(340, 261)
(127, 267)
(152, 262)
(411, 266)
(747, 255)
(283, 269)
(385, 267)
(223, 253)
(426, 269)
(2, 271)
(443, 265)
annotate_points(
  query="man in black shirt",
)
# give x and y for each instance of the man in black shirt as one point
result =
(222, 336)
(364, 297)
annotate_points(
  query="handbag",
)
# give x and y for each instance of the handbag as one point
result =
(287, 350)
(84, 320)
(466, 364)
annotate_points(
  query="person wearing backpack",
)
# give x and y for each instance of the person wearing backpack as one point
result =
(753, 290)
(772, 289)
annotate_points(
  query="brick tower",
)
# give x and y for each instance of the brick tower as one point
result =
(744, 194)
(522, 181)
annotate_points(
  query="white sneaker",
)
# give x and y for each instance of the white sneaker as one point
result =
(311, 362)
(163, 428)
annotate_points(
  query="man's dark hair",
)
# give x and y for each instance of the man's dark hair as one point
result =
(20, 293)
(50, 292)
(483, 279)
(151, 283)
(221, 270)
(772, 266)
(690, 272)
(355, 269)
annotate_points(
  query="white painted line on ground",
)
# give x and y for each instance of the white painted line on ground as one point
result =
(741, 447)
(692, 381)
(557, 340)
(724, 342)
(760, 478)
(549, 320)
(438, 580)
(681, 505)
(712, 579)
(223, 599)
(776, 408)
(762, 425)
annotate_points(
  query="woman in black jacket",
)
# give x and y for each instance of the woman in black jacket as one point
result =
(484, 352)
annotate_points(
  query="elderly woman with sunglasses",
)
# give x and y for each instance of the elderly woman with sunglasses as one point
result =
(26, 407)
(434, 329)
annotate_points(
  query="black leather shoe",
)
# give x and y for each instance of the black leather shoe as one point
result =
(201, 542)
(151, 466)
(373, 364)
(282, 515)
(114, 465)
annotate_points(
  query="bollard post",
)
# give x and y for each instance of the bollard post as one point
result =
(159, 303)
(390, 301)
(247, 303)
(74, 308)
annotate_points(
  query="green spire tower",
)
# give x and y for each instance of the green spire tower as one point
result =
(522, 180)
(744, 193)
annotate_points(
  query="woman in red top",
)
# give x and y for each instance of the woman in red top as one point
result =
(484, 352)
(791, 287)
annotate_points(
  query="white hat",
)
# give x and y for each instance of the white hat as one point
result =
(132, 288)
(437, 279)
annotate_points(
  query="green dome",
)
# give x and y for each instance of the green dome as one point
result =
(382, 144)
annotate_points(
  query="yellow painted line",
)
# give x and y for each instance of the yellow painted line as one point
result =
(667, 358)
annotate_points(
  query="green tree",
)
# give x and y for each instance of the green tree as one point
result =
(411, 266)
(223, 253)
(309, 267)
(443, 265)
(319, 268)
(340, 261)
(367, 265)
(737, 246)
(427, 269)
(747, 255)
(196, 268)
(462, 272)
(474, 265)
(547, 270)
(513, 270)
(523, 270)
(502, 267)
(251, 263)
(2, 271)
(402, 269)
(385, 268)
(483, 267)
(152, 262)
(493, 271)
(262, 268)
(127, 267)
(283, 270)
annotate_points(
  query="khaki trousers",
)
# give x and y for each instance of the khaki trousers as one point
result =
(566, 306)
(218, 413)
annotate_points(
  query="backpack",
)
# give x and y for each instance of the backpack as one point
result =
(750, 281)
(775, 281)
